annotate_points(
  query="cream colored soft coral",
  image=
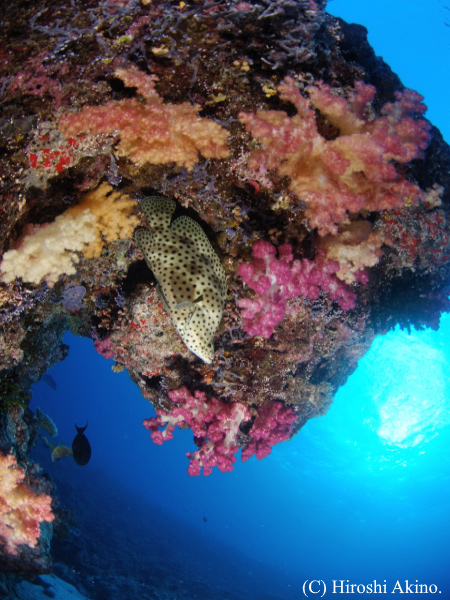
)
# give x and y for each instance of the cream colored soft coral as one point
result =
(355, 247)
(52, 249)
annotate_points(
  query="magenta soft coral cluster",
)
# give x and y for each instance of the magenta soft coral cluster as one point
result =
(272, 426)
(275, 280)
(215, 425)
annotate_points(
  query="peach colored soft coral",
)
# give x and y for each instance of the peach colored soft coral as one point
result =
(151, 131)
(50, 250)
(21, 510)
(353, 171)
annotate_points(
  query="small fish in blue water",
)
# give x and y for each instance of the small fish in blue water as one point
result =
(49, 381)
(46, 423)
(60, 452)
(81, 447)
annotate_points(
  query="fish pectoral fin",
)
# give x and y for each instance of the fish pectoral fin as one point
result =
(182, 312)
(185, 312)
(186, 303)
(163, 299)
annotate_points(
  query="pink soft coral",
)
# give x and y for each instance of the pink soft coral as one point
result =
(21, 510)
(275, 280)
(104, 347)
(215, 425)
(353, 171)
(272, 425)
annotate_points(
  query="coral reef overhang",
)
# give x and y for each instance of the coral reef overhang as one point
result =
(79, 90)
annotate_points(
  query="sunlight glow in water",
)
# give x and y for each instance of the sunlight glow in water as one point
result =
(408, 420)
(393, 412)
(411, 398)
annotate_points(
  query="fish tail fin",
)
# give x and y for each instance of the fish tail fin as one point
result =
(80, 429)
(158, 211)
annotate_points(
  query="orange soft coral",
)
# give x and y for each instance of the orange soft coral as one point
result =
(21, 510)
(151, 131)
(113, 219)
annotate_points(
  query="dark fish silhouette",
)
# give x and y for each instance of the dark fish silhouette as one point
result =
(81, 448)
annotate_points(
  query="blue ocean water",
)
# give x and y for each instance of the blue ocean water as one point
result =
(361, 494)
(413, 37)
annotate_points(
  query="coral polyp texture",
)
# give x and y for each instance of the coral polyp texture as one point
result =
(273, 424)
(310, 171)
(151, 131)
(275, 280)
(355, 170)
(21, 510)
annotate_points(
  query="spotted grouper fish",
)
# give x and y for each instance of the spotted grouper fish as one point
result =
(191, 280)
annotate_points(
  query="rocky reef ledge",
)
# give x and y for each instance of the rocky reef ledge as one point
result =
(311, 170)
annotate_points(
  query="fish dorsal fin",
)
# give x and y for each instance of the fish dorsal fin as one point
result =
(143, 239)
(158, 211)
(187, 227)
